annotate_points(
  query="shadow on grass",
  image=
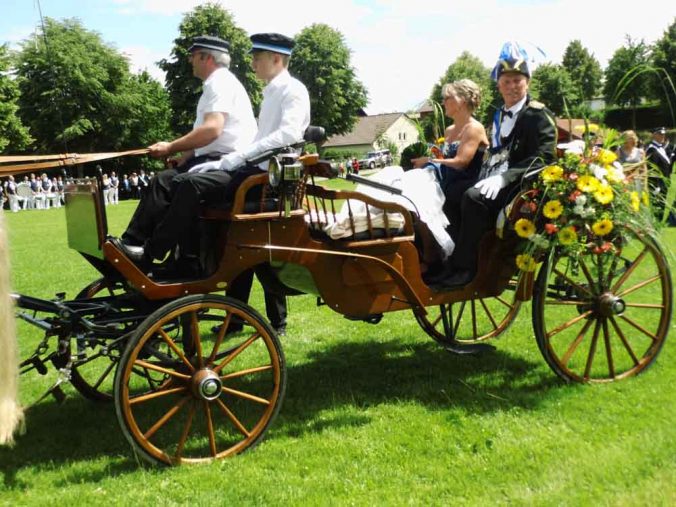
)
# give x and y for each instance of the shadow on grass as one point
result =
(366, 374)
(350, 376)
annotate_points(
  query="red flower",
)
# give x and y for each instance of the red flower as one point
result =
(574, 195)
(551, 228)
(572, 176)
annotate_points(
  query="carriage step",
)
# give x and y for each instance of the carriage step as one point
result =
(468, 348)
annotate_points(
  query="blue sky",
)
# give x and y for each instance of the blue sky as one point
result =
(400, 48)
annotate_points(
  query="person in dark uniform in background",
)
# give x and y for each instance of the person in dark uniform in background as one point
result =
(523, 141)
(661, 157)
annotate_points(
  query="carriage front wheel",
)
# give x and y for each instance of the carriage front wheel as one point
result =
(602, 317)
(187, 392)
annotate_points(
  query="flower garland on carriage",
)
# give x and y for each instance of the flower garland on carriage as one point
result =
(579, 205)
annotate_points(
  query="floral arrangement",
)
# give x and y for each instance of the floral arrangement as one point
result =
(576, 205)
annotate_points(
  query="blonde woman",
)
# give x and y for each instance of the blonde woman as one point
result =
(10, 412)
(633, 159)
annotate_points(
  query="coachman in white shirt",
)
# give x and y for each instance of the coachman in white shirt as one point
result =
(224, 124)
(284, 117)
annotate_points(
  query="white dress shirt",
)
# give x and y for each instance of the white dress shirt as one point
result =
(223, 93)
(285, 114)
(508, 122)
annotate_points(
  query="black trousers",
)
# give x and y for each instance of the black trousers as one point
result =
(477, 216)
(275, 304)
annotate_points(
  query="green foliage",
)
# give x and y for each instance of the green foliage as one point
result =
(14, 136)
(78, 95)
(415, 150)
(552, 85)
(184, 89)
(584, 70)
(663, 56)
(617, 89)
(338, 153)
(468, 66)
(321, 60)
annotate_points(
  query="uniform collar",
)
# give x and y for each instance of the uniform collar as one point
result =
(279, 80)
(518, 106)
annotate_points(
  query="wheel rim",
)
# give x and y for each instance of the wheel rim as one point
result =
(93, 370)
(604, 318)
(473, 320)
(197, 395)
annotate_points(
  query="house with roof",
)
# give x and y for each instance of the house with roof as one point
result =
(370, 131)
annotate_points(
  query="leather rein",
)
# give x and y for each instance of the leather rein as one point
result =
(18, 164)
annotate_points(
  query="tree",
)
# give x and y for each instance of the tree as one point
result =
(624, 85)
(321, 60)
(551, 84)
(184, 89)
(584, 70)
(77, 94)
(14, 135)
(663, 58)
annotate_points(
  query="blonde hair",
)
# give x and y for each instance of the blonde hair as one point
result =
(465, 89)
(11, 414)
(630, 134)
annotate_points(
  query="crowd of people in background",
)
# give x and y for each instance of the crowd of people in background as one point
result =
(31, 191)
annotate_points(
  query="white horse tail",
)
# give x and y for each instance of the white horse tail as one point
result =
(11, 414)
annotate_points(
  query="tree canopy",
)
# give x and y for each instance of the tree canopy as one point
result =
(584, 70)
(77, 94)
(184, 89)
(321, 60)
(663, 58)
(553, 85)
(14, 135)
(625, 86)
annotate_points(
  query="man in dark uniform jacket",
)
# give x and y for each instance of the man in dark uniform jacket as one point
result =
(523, 141)
(661, 157)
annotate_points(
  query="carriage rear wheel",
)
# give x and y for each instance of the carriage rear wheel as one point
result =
(93, 370)
(472, 321)
(600, 318)
(194, 394)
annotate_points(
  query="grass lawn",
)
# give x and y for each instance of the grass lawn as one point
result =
(372, 415)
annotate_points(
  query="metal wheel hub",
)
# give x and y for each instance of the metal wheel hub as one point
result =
(206, 385)
(610, 305)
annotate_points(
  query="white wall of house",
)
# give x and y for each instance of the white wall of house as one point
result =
(402, 132)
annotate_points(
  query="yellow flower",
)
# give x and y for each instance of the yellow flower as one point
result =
(635, 201)
(606, 157)
(441, 140)
(552, 209)
(551, 173)
(567, 236)
(645, 199)
(587, 183)
(524, 228)
(525, 262)
(604, 194)
(602, 227)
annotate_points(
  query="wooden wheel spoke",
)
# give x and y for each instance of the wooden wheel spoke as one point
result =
(219, 339)
(436, 321)
(572, 282)
(233, 418)
(639, 285)
(248, 371)
(458, 319)
(474, 331)
(504, 302)
(571, 322)
(489, 314)
(165, 418)
(172, 345)
(645, 305)
(586, 272)
(576, 342)
(624, 341)
(236, 352)
(160, 369)
(592, 350)
(185, 432)
(142, 398)
(609, 352)
(639, 327)
(210, 428)
(629, 270)
(611, 271)
(104, 375)
(246, 396)
(195, 334)
(563, 302)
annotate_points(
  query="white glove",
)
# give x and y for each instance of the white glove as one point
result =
(491, 186)
(205, 166)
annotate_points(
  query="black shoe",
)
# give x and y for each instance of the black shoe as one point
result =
(439, 275)
(173, 269)
(280, 331)
(136, 254)
(232, 329)
(455, 280)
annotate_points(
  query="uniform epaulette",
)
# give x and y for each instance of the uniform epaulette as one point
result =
(536, 104)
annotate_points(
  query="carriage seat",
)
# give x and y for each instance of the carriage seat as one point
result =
(252, 196)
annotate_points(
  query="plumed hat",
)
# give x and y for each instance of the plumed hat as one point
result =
(515, 58)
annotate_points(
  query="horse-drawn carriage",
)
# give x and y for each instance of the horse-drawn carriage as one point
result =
(187, 390)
